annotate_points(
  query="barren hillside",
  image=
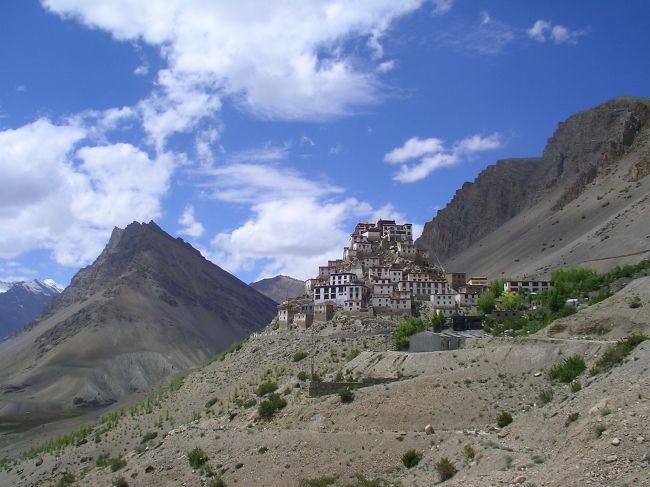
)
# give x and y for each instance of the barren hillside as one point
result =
(597, 435)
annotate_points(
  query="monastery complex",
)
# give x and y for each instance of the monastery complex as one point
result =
(381, 272)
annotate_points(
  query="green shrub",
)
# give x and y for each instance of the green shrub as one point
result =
(262, 450)
(324, 481)
(216, 482)
(197, 458)
(636, 302)
(266, 388)
(149, 436)
(120, 482)
(616, 353)
(575, 386)
(411, 458)
(599, 429)
(445, 469)
(211, 402)
(546, 395)
(302, 375)
(65, 480)
(271, 405)
(568, 370)
(346, 395)
(470, 453)
(504, 419)
(353, 353)
(115, 464)
(298, 356)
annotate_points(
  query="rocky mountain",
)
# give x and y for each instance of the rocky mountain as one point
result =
(149, 307)
(22, 301)
(280, 288)
(584, 201)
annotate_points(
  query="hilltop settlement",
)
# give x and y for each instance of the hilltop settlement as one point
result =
(383, 273)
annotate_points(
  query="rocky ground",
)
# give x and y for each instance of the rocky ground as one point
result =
(598, 435)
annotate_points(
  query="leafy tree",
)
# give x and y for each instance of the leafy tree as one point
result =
(510, 301)
(406, 328)
(438, 321)
(486, 302)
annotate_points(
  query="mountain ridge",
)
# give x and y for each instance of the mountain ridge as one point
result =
(149, 307)
(592, 151)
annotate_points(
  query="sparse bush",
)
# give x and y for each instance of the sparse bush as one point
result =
(616, 353)
(324, 481)
(211, 402)
(636, 302)
(149, 436)
(298, 356)
(266, 388)
(504, 419)
(65, 480)
(546, 395)
(115, 464)
(197, 458)
(568, 370)
(571, 418)
(353, 353)
(411, 458)
(302, 375)
(445, 469)
(262, 450)
(575, 386)
(271, 405)
(346, 395)
(120, 482)
(599, 429)
(470, 453)
(216, 482)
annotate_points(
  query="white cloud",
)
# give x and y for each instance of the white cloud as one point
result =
(296, 223)
(386, 66)
(294, 67)
(414, 148)
(559, 34)
(485, 18)
(141, 70)
(431, 154)
(304, 140)
(539, 29)
(191, 227)
(441, 7)
(60, 195)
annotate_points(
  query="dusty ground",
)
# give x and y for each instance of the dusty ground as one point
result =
(459, 393)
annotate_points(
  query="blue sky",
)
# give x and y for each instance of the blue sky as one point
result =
(262, 131)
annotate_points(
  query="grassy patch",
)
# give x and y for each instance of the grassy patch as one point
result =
(445, 469)
(57, 444)
(568, 370)
(271, 405)
(266, 388)
(346, 395)
(504, 419)
(324, 481)
(197, 458)
(615, 354)
(411, 458)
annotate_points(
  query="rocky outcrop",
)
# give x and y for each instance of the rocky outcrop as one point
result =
(582, 148)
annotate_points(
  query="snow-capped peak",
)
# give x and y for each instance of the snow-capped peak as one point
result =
(5, 286)
(51, 283)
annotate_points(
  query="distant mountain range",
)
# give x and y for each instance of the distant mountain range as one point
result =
(149, 307)
(22, 301)
(280, 288)
(585, 201)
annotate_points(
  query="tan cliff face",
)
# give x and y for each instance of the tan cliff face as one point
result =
(604, 150)
(149, 307)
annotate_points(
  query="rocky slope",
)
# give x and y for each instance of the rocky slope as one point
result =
(591, 178)
(280, 288)
(149, 307)
(558, 437)
(21, 302)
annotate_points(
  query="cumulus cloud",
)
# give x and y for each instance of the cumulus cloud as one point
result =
(296, 223)
(559, 34)
(191, 227)
(288, 70)
(59, 194)
(386, 66)
(420, 157)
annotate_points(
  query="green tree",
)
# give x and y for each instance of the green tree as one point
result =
(438, 321)
(509, 301)
(486, 302)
